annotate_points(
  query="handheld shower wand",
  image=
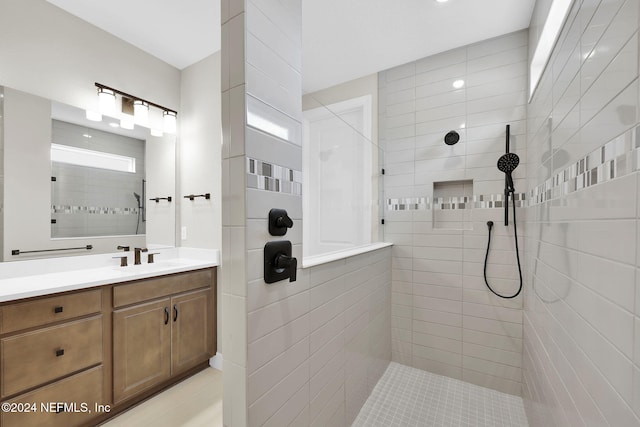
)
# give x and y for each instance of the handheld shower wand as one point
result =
(507, 163)
(137, 196)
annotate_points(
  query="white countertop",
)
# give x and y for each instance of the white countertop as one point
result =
(31, 278)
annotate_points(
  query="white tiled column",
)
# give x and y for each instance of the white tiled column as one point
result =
(261, 108)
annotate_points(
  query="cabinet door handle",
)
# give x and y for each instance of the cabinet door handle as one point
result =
(60, 352)
(175, 312)
(166, 315)
(58, 309)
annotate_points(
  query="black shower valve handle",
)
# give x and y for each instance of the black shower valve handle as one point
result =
(286, 262)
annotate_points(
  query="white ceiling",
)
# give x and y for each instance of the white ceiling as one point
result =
(342, 39)
(180, 32)
(361, 37)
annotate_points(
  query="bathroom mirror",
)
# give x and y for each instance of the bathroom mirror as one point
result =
(74, 183)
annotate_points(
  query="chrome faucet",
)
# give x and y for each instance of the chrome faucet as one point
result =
(137, 252)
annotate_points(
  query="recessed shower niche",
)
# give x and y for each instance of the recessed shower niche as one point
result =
(452, 203)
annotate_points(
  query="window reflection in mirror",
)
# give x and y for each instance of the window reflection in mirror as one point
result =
(97, 182)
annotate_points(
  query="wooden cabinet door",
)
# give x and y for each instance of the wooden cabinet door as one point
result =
(141, 348)
(192, 329)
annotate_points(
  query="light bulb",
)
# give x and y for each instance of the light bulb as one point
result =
(169, 121)
(141, 112)
(107, 101)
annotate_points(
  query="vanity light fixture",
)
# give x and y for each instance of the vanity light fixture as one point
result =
(169, 121)
(140, 110)
(107, 100)
(94, 116)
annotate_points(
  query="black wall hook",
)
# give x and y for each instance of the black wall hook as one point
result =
(157, 199)
(191, 197)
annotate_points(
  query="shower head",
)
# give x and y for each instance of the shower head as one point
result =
(452, 138)
(507, 163)
(137, 196)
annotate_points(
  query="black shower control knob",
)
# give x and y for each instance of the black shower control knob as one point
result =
(284, 221)
(279, 222)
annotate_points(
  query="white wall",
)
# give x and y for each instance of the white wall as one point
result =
(367, 85)
(200, 153)
(52, 54)
(582, 307)
(364, 86)
(200, 159)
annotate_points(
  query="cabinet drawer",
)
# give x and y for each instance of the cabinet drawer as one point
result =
(33, 358)
(76, 391)
(148, 289)
(14, 317)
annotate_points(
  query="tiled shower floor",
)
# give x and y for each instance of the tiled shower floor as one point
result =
(406, 397)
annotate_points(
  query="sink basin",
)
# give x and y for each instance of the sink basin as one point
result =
(158, 266)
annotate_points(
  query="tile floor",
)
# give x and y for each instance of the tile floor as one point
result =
(408, 397)
(404, 397)
(194, 402)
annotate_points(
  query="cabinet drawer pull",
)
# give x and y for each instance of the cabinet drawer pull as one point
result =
(60, 352)
(175, 312)
(166, 315)
(58, 309)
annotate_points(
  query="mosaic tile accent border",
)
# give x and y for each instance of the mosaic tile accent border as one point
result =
(616, 158)
(266, 176)
(480, 201)
(97, 210)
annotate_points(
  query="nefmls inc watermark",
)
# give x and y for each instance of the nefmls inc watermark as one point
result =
(55, 407)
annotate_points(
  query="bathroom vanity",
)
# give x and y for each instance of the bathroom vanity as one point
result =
(80, 356)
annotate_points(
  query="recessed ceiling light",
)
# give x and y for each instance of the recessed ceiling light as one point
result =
(86, 135)
(442, 1)
(458, 84)
(114, 125)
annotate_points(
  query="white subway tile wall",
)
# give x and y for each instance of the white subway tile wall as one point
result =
(307, 352)
(444, 320)
(317, 346)
(91, 201)
(581, 341)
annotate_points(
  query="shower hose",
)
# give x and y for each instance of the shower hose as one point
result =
(515, 235)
